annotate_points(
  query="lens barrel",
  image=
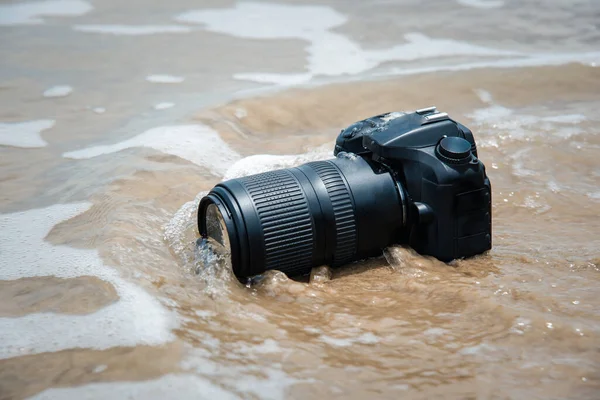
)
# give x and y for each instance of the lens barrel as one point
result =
(320, 213)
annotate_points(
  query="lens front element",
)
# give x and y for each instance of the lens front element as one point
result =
(215, 226)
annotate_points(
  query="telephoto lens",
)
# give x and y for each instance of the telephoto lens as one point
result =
(296, 218)
(397, 178)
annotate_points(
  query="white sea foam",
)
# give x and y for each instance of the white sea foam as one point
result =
(416, 47)
(180, 386)
(132, 30)
(273, 382)
(484, 96)
(31, 12)
(58, 91)
(241, 113)
(277, 79)
(594, 195)
(100, 368)
(566, 118)
(267, 20)
(268, 162)
(365, 338)
(164, 106)
(198, 144)
(329, 53)
(333, 54)
(136, 318)
(534, 60)
(177, 230)
(164, 79)
(485, 4)
(511, 124)
(273, 385)
(24, 134)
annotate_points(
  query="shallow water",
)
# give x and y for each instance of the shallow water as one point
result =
(115, 117)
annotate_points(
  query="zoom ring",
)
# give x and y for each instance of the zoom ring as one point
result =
(285, 220)
(343, 210)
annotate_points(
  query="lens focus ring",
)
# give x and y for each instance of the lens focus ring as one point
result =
(343, 210)
(285, 220)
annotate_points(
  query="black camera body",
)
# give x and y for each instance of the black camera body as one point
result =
(444, 187)
(397, 178)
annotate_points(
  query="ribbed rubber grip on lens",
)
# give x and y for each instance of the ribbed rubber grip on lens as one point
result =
(343, 210)
(285, 219)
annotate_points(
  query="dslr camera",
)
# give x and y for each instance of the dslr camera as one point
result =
(397, 178)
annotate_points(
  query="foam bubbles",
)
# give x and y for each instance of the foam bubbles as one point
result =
(513, 125)
(198, 144)
(536, 204)
(365, 338)
(31, 12)
(100, 368)
(272, 383)
(594, 195)
(333, 54)
(484, 96)
(137, 318)
(241, 113)
(132, 30)
(566, 119)
(212, 266)
(267, 20)
(24, 134)
(182, 386)
(164, 79)
(267, 162)
(58, 91)
(181, 232)
(485, 4)
(329, 53)
(164, 106)
(519, 61)
(277, 79)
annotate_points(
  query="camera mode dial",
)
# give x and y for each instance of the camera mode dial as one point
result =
(454, 150)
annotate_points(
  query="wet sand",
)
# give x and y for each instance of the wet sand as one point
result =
(103, 294)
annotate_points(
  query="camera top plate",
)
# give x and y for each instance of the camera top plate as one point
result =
(386, 134)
